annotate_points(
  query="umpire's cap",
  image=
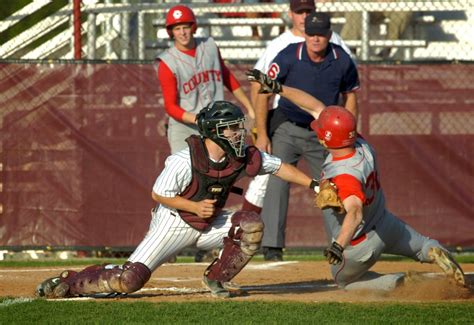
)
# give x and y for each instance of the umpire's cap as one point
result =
(317, 23)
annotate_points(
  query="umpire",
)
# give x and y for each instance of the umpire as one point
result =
(325, 71)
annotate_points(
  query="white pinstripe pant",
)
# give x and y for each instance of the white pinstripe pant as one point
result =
(169, 234)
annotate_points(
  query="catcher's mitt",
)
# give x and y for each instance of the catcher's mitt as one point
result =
(267, 85)
(328, 198)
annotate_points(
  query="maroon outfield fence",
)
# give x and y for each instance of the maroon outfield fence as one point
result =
(81, 145)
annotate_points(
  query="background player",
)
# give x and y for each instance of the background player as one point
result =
(192, 191)
(192, 74)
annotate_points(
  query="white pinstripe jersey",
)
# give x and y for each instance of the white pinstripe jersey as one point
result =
(177, 174)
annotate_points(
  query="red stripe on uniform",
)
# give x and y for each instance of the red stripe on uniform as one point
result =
(358, 240)
(299, 51)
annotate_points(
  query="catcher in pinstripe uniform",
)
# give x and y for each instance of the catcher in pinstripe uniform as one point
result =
(191, 193)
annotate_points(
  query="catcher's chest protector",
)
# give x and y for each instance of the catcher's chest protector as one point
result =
(214, 180)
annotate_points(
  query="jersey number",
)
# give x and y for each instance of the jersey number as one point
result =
(371, 187)
(273, 71)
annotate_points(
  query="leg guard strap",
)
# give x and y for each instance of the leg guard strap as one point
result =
(231, 262)
(239, 247)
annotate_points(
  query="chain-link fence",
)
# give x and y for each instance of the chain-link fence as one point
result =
(81, 145)
(374, 30)
(81, 142)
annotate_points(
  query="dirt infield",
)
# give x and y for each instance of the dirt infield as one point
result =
(289, 281)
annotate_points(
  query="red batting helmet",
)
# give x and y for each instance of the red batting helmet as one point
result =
(178, 15)
(335, 127)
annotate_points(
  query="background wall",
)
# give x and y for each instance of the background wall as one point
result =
(81, 145)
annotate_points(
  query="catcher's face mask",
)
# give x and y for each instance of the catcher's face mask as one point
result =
(234, 133)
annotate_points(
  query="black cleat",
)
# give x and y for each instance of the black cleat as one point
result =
(274, 254)
(52, 288)
(216, 288)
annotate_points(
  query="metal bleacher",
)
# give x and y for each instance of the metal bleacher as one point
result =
(236, 44)
(435, 33)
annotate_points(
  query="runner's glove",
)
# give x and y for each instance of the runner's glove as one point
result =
(334, 253)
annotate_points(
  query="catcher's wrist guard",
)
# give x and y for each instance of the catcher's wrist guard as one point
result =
(314, 185)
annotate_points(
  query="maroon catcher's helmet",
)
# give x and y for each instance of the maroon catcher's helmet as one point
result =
(335, 127)
(180, 15)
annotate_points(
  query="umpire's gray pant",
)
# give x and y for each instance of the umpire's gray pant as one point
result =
(290, 143)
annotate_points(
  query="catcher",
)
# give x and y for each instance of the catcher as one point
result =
(191, 192)
(358, 225)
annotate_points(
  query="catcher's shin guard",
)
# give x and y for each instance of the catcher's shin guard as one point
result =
(239, 247)
(125, 278)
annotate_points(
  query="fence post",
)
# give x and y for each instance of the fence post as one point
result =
(77, 29)
(141, 35)
(108, 32)
(125, 31)
(365, 35)
(91, 35)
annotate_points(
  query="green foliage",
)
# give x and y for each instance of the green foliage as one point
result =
(9, 7)
(105, 311)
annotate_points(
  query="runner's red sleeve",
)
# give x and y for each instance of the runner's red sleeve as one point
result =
(348, 185)
(230, 82)
(170, 92)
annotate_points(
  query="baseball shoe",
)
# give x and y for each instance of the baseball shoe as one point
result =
(274, 254)
(172, 259)
(447, 263)
(231, 286)
(205, 256)
(216, 288)
(52, 288)
(234, 288)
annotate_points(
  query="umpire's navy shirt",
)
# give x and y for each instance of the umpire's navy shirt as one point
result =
(325, 80)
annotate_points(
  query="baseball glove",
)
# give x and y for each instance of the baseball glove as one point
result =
(267, 85)
(328, 198)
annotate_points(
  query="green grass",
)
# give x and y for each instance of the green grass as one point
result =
(117, 311)
(309, 256)
(58, 262)
(230, 312)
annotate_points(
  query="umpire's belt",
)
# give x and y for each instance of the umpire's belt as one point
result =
(301, 125)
